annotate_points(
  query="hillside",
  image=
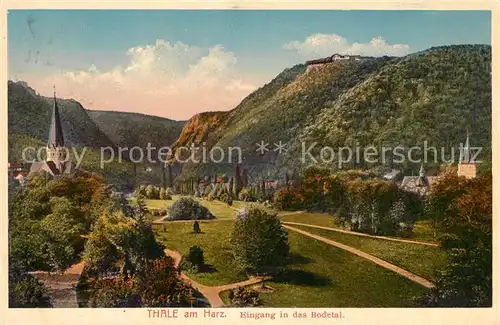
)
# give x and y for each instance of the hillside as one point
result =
(200, 128)
(134, 129)
(121, 174)
(30, 114)
(29, 118)
(433, 95)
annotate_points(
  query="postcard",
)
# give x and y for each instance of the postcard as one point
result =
(245, 161)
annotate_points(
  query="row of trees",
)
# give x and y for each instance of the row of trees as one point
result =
(154, 192)
(360, 201)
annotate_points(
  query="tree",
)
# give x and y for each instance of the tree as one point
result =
(186, 208)
(163, 194)
(395, 219)
(61, 234)
(196, 227)
(194, 260)
(467, 223)
(25, 291)
(259, 241)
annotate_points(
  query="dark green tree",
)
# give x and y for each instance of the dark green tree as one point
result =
(259, 241)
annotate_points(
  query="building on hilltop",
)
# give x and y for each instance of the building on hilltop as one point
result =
(334, 58)
(57, 162)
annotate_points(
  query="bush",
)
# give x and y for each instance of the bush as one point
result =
(289, 198)
(194, 260)
(115, 293)
(154, 192)
(246, 195)
(25, 291)
(243, 297)
(196, 227)
(186, 208)
(226, 198)
(259, 241)
(206, 190)
(157, 285)
(159, 212)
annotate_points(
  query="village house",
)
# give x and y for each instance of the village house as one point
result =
(16, 172)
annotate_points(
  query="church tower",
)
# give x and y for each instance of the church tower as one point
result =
(467, 166)
(56, 150)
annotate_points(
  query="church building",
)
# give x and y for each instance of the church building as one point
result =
(57, 162)
(422, 183)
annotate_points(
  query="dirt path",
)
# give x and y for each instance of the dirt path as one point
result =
(413, 277)
(61, 288)
(408, 241)
(212, 294)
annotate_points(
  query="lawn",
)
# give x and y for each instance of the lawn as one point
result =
(420, 259)
(317, 219)
(423, 230)
(159, 204)
(214, 240)
(320, 275)
(220, 209)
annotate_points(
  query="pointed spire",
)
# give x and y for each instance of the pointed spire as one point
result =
(422, 178)
(466, 150)
(56, 138)
(421, 173)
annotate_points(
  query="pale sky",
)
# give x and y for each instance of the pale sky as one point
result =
(177, 63)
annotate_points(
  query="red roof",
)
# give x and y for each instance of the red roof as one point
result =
(14, 164)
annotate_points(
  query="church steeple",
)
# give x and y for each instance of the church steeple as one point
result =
(422, 178)
(421, 173)
(56, 138)
(466, 165)
(466, 153)
(56, 151)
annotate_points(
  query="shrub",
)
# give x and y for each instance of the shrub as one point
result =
(196, 227)
(115, 293)
(157, 285)
(289, 198)
(194, 260)
(244, 297)
(186, 208)
(25, 291)
(220, 191)
(163, 194)
(246, 195)
(159, 212)
(206, 190)
(152, 192)
(226, 198)
(259, 241)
